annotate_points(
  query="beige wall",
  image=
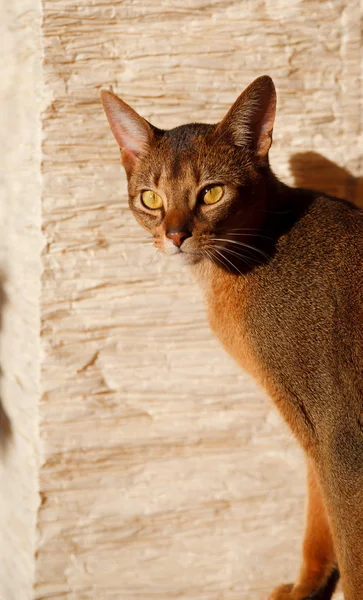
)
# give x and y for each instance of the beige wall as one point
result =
(20, 267)
(165, 473)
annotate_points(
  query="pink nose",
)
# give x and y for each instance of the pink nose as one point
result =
(178, 237)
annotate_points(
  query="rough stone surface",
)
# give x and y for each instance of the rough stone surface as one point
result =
(165, 473)
(20, 266)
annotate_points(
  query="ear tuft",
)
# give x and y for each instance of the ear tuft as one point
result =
(250, 120)
(133, 133)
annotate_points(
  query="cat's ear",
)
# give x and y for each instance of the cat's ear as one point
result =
(250, 120)
(133, 133)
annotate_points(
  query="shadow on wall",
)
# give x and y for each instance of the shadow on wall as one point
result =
(5, 423)
(312, 170)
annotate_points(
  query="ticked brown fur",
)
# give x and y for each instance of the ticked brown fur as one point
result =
(282, 274)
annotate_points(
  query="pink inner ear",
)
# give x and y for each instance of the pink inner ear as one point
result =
(268, 118)
(131, 131)
(128, 159)
(129, 139)
(265, 128)
(250, 119)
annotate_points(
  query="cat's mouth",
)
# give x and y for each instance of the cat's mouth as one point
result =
(186, 252)
(187, 256)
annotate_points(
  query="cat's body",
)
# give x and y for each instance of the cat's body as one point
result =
(284, 296)
(288, 319)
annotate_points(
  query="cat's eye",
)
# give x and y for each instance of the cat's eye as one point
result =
(213, 194)
(151, 199)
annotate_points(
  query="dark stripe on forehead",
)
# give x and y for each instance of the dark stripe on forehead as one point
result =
(186, 197)
(156, 178)
(176, 163)
(182, 146)
(196, 171)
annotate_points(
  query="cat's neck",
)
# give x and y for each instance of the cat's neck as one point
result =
(283, 198)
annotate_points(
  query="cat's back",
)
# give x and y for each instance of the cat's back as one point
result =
(305, 316)
(319, 258)
(321, 255)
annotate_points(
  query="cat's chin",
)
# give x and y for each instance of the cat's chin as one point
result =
(186, 258)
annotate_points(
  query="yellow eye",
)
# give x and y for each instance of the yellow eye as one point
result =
(213, 194)
(151, 199)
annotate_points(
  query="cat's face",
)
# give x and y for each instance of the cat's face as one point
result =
(198, 189)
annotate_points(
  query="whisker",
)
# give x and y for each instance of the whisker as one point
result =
(155, 254)
(250, 260)
(217, 260)
(242, 245)
(155, 258)
(208, 254)
(265, 237)
(247, 260)
(231, 263)
(227, 249)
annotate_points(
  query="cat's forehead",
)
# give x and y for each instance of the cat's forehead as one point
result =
(189, 156)
(176, 155)
(184, 150)
(190, 152)
(186, 137)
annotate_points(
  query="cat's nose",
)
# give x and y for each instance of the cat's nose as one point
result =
(178, 237)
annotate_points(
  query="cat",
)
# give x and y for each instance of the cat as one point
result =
(281, 270)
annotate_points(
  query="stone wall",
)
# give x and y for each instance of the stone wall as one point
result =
(164, 472)
(20, 268)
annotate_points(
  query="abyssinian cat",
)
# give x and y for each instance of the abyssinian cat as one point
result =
(282, 274)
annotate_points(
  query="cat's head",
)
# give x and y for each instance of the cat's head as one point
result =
(199, 189)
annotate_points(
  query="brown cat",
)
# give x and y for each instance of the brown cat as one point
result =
(282, 274)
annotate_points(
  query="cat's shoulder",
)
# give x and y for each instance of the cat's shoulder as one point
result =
(332, 209)
(329, 216)
(323, 226)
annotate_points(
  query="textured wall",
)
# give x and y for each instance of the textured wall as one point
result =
(165, 472)
(20, 265)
